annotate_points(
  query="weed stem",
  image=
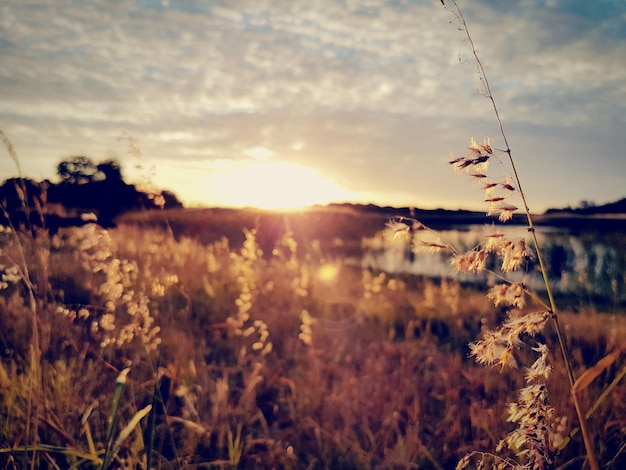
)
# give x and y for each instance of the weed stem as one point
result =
(553, 308)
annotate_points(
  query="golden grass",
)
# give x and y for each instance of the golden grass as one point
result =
(382, 380)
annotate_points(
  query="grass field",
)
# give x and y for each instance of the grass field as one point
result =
(246, 339)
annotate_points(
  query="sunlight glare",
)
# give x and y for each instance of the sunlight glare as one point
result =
(328, 272)
(264, 184)
(276, 185)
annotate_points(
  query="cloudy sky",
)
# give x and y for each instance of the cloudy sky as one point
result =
(287, 102)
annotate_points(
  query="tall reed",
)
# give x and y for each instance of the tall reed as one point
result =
(532, 412)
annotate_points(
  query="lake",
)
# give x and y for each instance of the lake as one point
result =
(584, 268)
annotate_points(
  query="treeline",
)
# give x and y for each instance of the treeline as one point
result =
(86, 191)
(590, 208)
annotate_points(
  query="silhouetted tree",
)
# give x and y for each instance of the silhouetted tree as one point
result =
(77, 170)
(100, 188)
(109, 170)
(83, 170)
(85, 187)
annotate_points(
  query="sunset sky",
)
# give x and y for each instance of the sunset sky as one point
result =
(288, 102)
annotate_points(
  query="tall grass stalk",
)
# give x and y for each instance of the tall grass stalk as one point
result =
(119, 388)
(531, 228)
(24, 274)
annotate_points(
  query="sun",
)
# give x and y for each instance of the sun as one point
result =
(276, 185)
(256, 182)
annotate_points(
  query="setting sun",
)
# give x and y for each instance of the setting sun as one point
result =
(274, 185)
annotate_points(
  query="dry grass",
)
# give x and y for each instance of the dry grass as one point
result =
(250, 339)
(375, 375)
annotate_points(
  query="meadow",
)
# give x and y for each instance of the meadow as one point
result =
(247, 339)
(214, 338)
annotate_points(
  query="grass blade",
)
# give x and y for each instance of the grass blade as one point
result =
(593, 372)
(128, 429)
(121, 381)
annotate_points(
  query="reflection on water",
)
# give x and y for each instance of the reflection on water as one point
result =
(584, 269)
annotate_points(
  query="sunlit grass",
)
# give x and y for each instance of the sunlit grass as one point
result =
(365, 370)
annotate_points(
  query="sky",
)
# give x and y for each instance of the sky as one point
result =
(282, 103)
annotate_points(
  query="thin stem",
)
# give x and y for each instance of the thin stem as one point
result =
(22, 266)
(119, 387)
(531, 228)
(12, 153)
(591, 458)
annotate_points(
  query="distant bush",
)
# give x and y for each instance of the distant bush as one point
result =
(85, 187)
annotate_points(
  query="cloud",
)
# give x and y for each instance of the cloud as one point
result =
(545, 60)
(371, 92)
